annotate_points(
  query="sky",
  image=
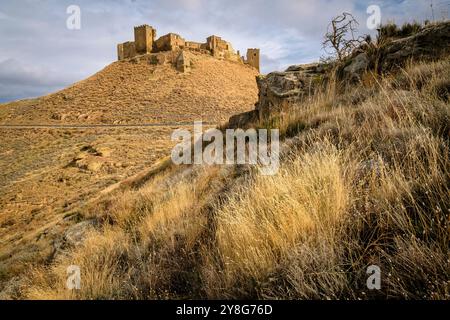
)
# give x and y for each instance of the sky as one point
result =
(39, 54)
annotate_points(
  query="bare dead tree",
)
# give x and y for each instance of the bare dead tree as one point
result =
(340, 40)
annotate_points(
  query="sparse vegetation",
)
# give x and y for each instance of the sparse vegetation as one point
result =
(48, 175)
(366, 183)
(364, 180)
(393, 31)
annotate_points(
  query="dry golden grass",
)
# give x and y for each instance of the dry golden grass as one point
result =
(257, 228)
(143, 230)
(364, 180)
(42, 189)
(49, 174)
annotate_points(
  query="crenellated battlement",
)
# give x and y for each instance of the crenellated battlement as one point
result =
(145, 42)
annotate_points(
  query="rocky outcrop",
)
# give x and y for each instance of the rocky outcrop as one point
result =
(73, 236)
(76, 234)
(243, 119)
(357, 66)
(431, 42)
(279, 90)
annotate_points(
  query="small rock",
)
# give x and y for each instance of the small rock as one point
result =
(104, 151)
(94, 165)
(76, 234)
(357, 67)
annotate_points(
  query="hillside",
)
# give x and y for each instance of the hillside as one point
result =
(142, 93)
(364, 180)
(49, 172)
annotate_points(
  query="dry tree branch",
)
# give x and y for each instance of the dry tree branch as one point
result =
(340, 36)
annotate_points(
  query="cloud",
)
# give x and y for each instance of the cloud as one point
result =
(19, 80)
(43, 54)
(15, 73)
(3, 16)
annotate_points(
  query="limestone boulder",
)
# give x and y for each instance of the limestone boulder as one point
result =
(71, 237)
(279, 90)
(76, 234)
(358, 65)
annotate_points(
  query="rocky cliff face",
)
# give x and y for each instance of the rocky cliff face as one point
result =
(279, 90)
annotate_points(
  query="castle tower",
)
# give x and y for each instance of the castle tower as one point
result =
(120, 52)
(144, 36)
(253, 58)
(212, 44)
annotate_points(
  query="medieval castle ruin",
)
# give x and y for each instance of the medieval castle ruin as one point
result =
(145, 43)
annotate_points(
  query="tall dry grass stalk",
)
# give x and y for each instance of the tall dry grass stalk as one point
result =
(261, 223)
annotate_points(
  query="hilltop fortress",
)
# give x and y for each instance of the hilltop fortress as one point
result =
(146, 44)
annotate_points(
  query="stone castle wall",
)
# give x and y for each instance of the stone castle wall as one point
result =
(145, 42)
(169, 42)
(126, 50)
(253, 58)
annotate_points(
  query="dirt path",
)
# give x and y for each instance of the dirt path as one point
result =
(94, 126)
